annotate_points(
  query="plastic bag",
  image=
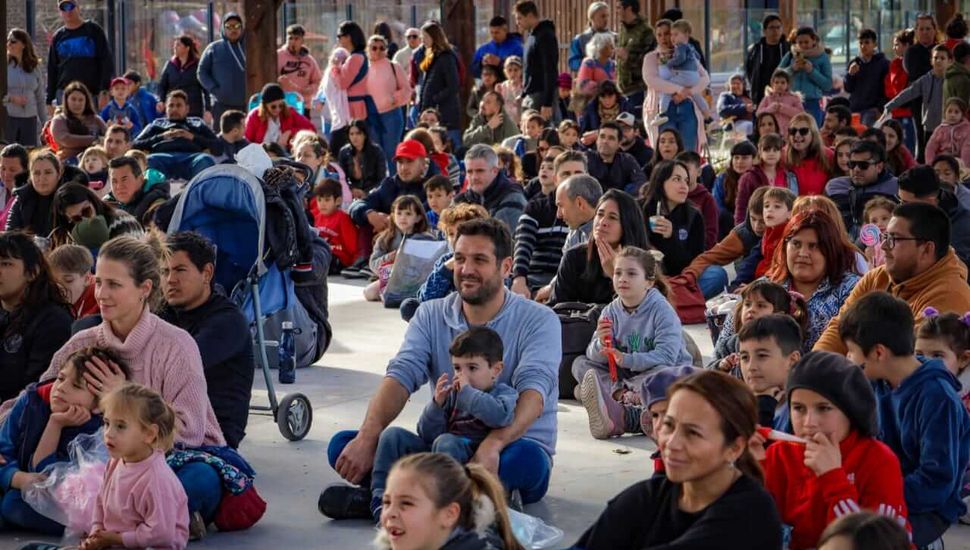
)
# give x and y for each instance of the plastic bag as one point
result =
(413, 263)
(532, 532)
(69, 493)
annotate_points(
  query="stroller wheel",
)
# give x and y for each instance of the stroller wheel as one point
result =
(294, 416)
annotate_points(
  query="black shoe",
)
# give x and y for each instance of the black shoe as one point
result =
(345, 502)
(354, 271)
(515, 500)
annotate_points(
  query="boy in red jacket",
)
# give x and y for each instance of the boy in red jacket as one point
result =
(841, 468)
(71, 267)
(700, 197)
(334, 224)
(776, 210)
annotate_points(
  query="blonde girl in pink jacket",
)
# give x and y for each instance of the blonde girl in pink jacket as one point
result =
(952, 136)
(780, 101)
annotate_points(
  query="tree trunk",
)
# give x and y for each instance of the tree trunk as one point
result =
(261, 27)
(459, 21)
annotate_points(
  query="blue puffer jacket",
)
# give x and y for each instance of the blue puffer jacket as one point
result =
(222, 70)
(812, 85)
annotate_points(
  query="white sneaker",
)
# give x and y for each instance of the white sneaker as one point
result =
(658, 120)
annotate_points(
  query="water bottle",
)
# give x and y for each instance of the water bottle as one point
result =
(286, 352)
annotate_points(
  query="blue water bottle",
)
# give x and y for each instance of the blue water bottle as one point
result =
(287, 354)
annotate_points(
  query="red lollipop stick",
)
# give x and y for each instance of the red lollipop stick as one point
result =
(608, 344)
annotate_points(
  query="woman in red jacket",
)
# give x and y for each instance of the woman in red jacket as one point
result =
(842, 468)
(273, 121)
(806, 156)
(897, 80)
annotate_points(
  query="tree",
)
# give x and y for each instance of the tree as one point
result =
(261, 27)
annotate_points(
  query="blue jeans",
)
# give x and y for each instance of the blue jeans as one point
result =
(456, 144)
(681, 117)
(180, 165)
(712, 281)
(523, 464)
(814, 108)
(15, 512)
(393, 125)
(203, 487)
(909, 133)
(635, 102)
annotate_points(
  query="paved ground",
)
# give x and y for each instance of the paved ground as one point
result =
(586, 474)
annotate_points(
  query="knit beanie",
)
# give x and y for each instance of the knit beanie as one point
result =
(835, 378)
(655, 384)
(91, 232)
(272, 92)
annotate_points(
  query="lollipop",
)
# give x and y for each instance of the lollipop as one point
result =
(869, 235)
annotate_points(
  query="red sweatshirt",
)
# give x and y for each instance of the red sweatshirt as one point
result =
(870, 478)
(340, 232)
(769, 242)
(86, 304)
(896, 81)
(703, 200)
(811, 176)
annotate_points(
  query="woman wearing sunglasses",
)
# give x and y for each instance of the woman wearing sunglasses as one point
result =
(24, 101)
(80, 217)
(388, 86)
(273, 121)
(806, 156)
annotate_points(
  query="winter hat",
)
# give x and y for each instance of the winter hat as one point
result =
(635, 4)
(91, 232)
(565, 81)
(272, 92)
(230, 16)
(656, 383)
(835, 378)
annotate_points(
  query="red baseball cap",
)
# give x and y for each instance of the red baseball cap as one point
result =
(119, 80)
(410, 149)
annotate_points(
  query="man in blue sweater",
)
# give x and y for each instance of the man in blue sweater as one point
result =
(503, 45)
(531, 335)
(222, 69)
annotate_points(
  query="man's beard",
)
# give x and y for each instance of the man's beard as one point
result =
(485, 291)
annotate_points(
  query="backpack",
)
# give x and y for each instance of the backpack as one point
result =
(578, 321)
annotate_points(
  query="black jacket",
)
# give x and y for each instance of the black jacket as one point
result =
(373, 167)
(185, 78)
(32, 212)
(222, 334)
(145, 202)
(26, 351)
(79, 54)
(151, 139)
(685, 243)
(441, 89)
(761, 62)
(503, 199)
(540, 61)
(624, 173)
(866, 89)
(381, 198)
(640, 151)
(572, 284)
(959, 224)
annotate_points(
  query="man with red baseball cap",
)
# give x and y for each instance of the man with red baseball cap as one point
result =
(371, 213)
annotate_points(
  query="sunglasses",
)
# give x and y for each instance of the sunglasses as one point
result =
(67, 6)
(413, 37)
(233, 26)
(795, 131)
(275, 106)
(377, 48)
(86, 212)
(860, 164)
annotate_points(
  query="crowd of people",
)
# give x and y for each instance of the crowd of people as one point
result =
(582, 211)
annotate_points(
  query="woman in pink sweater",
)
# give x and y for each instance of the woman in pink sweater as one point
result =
(780, 102)
(351, 76)
(388, 86)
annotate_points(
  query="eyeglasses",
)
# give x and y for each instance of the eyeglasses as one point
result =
(803, 131)
(233, 26)
(67, 6)
(890, 240)
(860, 164)
(86, 212)
(275, 106)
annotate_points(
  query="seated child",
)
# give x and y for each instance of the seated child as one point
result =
(653, 395)
(407, 219)
(335, 225)
(778, 203)
(682, 68)
(142, 503)
(921, 416)
(878, 211)
(758, 299)
(43, 421)
(780, 101)
(864, 531)
(466, 407)
(768, 172)
(700, 197)
(952, 136)
(434, 502)
(768, 348)
(313, 151)
(232, 135)
(94, 163)
(444, 150)
(531, 125)
(843, 467)
(440, 192)
(71, 267)
(441, 282)
(638, 332)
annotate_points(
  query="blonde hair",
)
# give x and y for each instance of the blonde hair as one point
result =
(140, 156)
(683, 26)
(95, 150)
(793, 158)
(147, 407)
(143, 258)
(454, 215)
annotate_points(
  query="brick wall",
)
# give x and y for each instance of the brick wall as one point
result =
(16, 14)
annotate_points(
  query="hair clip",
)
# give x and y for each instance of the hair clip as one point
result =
(930, 312)
(966, 319)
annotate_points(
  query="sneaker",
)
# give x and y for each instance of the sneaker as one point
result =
(658, 120)
(197, 529)
(605, 414)
(345, 502)
(354, 271)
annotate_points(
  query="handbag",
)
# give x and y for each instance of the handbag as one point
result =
(687, 299)
(578, 322)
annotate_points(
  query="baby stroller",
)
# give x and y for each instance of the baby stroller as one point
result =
(226, 204)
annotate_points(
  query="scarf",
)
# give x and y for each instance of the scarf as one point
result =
(609, 114)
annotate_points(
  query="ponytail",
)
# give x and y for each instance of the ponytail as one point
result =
(488, 488)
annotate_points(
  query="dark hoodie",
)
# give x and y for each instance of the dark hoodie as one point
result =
(686, 242)
(176, 76)
(959, 224)
(956, 82)
(222, 69)
(866, 86)
(381, 198)
(851, 199)
(222, 334)
(143, 205)
(32, 212)
(503, 199)
(540, 64)
(761, 62)
(924, 422)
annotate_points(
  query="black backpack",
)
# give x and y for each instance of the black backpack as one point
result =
(578, 322)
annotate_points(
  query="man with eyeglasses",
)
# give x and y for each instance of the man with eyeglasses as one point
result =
(222, 69)
(79, 51)
(921, 185)
(764, 56)
(403, 56)
(868, 178)
(502, 45)
(298, 71)
(921, 268)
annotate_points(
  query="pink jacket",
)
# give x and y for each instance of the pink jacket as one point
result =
(783, 106)
(657, 86)
(301, 72)
(166, 359)
(345, 75)
(951, 139)
(145, 502)
(388, 84)
(293, 122)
